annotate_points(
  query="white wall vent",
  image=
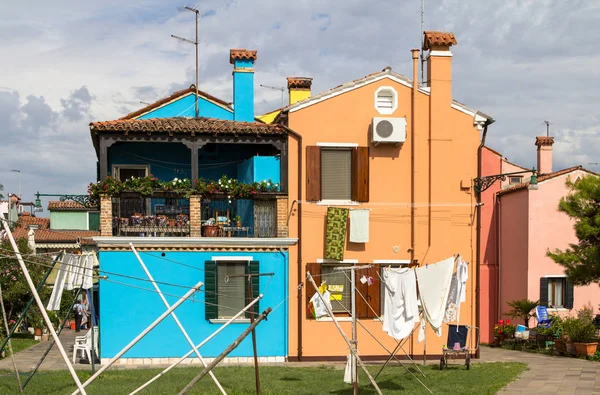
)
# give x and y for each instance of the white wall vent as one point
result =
(387, 130)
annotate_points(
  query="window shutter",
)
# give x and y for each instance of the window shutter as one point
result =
(315, 270)
(211, 290)
(569, 294)
(544, 291)
(360, 174)
(253, 267)
(313, 173)
(368, 305)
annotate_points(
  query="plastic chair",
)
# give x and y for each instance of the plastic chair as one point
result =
(542, 316)
(84, 344)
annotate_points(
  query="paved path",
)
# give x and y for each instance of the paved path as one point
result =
(546, 374)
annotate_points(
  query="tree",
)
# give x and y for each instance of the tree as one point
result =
(1, 189)
(582, 261)
(523, 309)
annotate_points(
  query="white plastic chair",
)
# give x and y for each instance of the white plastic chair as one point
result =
(84, 344)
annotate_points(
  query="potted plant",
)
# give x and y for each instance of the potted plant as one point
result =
(582, 332)
(238, 221)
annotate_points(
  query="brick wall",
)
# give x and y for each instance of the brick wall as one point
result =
(195, 224)
(105, 216)
(282, 216)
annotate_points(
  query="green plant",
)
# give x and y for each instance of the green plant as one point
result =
(237, 218)
(580, 329)
(523, 309)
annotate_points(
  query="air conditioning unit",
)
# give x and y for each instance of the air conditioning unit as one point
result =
(387, 130)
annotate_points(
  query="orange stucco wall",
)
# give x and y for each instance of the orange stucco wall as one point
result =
(445, 164)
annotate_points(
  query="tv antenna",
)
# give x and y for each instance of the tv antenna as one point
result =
(547, 128)
(276, 88)
(185, 40)
(422, 39)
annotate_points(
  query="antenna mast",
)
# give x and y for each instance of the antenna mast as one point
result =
(277, 88)
(197, 12)
(422, 27)
(547, 128)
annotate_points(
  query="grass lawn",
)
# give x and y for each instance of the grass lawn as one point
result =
(20, 342)
(483, 378)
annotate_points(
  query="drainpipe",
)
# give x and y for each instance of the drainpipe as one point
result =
(413, 176)
(498, 243)
(298, 138)
(478, 234)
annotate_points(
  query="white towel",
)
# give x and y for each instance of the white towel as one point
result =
(359, 226)
(71, 269)
(434, 287)
(59, 284)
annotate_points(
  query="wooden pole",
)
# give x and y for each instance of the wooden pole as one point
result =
(362, 365)
(256, 372)
(12, 354)
(228, 350)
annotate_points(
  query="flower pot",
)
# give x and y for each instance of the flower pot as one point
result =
(586, 349)
(171, 222)
(239, 224)
(210, 230)
(72, 325)
(571, 349)
(38, 332)
(560, 346)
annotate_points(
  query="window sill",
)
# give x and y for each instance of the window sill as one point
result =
(557, 309)
(339, 319)
(336, 203)
(224, 320)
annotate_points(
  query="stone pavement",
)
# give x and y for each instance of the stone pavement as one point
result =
(546, 374)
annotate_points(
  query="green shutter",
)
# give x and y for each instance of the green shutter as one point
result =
(94, 220)
(211, 290)
(253, 268)
(543, 291)
(569, 294)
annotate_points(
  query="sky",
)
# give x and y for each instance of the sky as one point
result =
(67, 63)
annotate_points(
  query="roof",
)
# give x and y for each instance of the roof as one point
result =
(544, 177)
(26, 220)
(187, 125)
(357, 83)
(58, 236)
(175, 96)
(68, 205)
(431, 38)
(544, 141)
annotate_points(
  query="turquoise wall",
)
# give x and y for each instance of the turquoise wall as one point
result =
(259, 168)
(185, 107)
(127, 311)
(243, 92)
(69, 220)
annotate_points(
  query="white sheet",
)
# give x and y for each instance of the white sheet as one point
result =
(400, 309)
(59, 284)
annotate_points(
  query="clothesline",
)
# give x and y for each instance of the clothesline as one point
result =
(357, 206)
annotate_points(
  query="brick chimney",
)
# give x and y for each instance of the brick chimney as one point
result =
(544, 154)
(243, 83)
(299, 88)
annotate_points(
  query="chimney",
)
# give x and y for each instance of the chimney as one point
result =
(243, 84)
(439, 66)
(299, 88)
(544, 154)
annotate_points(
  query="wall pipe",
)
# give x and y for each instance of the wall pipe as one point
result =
(413, 176)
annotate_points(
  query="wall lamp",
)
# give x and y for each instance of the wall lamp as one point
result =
(480, 184)
(84, 200)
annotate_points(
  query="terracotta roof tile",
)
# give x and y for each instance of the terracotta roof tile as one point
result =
(24, 221)
(299, 82)
(242, 54)
(432, 38)
(544, 141)
(174, 96)
(187, 125)
(68, 205)
(57, 236)
(543, 177)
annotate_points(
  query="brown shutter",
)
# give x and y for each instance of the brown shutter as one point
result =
(360, 174)
(374, 289)
(315, 270)
(313, 173)
(370, 294)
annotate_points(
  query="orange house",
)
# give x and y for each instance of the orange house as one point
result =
(406, 152)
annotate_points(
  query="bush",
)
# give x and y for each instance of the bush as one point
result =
(580, 329)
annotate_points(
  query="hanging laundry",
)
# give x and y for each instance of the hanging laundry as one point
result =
(59, 284)
(88, 273)
(78, 270)
(348, 370)
(335, 236)
(457, 294)
(316, 306)
(401, 310)
(72, 264)
(434, 286)
(359, 226)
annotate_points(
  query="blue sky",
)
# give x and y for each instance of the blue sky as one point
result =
(72, 62)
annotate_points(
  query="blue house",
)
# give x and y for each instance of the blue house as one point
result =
(159, 171)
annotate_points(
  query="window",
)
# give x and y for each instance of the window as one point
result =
(225, 294)
(337, 173)
(123, 172)
(515, 180)
(386, 100)
(556, 292)
(339, 286)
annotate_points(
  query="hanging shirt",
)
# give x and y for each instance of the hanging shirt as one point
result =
(400, 309)
(457, 294)
(434, 287)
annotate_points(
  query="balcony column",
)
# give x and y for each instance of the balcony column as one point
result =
(282, 216)
(106, 227)
(195, 224)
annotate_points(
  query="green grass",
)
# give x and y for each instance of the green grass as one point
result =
(483, 378)
(20, 342)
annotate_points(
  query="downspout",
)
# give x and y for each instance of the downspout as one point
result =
(413, 176)
(478, 230)
(298, 138)
(498, 243)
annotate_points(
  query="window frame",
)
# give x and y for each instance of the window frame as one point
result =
(568, 292)
(352, 175)
(386, 111)
(551, 282)
(510, 180)
(116, 170)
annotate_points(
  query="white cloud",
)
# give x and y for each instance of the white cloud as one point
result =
(71, 62)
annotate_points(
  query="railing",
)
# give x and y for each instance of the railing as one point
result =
(154, 216)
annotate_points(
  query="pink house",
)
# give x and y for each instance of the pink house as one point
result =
(520, 222)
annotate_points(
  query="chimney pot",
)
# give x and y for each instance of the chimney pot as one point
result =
(544, 154)
(243, 83)
(298, 88)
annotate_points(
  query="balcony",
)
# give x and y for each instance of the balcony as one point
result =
(173, 216)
